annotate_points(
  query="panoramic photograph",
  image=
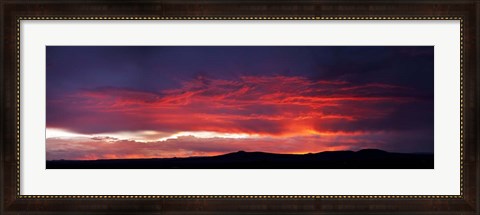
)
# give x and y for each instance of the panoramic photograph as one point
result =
(239, 107)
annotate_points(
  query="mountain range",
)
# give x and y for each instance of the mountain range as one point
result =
(362, 159)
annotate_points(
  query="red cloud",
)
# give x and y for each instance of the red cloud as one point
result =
(284, 115)
(273, 105)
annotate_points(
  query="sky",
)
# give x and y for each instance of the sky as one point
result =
(109, 102)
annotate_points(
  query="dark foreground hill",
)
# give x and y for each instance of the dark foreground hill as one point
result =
(363, 159)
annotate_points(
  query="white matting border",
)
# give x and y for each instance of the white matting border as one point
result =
(443, 180)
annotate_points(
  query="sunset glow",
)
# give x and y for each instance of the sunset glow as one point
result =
(160, 102)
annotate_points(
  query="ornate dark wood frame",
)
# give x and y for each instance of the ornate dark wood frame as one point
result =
(12, 12)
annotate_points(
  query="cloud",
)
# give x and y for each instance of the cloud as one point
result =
(186, 146)
(266, 105)
(111, 102)
(83, 148)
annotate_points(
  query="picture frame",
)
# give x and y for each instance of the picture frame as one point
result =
(13, 12)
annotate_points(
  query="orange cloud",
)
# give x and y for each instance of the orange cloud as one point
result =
(277, 109)
(275, 105)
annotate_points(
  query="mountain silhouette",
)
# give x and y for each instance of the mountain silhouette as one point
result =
(362, 159)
